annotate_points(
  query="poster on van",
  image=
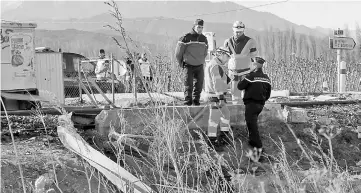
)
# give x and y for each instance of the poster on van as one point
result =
(17, 57)
(21, 53)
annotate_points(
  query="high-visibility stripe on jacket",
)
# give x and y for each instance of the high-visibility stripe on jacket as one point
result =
(215, 80)
(192, 49)
(242, 49)
(257, 86)
(145, 67)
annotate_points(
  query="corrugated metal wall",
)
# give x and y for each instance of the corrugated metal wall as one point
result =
(49, 74)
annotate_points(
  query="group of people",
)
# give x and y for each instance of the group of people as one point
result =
(247, 81)
(102, 69)
(245, 76)
(144, 64)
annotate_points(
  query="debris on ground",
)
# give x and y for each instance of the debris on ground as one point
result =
(42, 152)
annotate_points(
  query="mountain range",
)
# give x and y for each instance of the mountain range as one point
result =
(170, 18)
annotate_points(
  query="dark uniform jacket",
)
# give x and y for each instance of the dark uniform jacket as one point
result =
(192, 49)
(257, 86)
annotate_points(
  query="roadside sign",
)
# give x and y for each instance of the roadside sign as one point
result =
(346, 43)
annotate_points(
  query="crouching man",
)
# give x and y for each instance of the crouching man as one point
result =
(215, 81)
(257, 87)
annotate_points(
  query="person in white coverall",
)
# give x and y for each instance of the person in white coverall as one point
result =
(215, 81)
(243, 51)
(103, 66)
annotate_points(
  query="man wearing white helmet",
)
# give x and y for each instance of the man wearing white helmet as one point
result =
(215, 81)
(243, 50)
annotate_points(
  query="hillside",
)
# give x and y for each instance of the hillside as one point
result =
(145, 26)
(45, 12)
(86, 43)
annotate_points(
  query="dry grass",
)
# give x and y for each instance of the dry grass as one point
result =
(176, 167)
(180, 161)
(173, 165)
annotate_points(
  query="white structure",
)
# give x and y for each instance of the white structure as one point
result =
(49, 75)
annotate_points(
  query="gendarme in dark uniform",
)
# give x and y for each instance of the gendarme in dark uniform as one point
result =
(257, 86)
(191, 52)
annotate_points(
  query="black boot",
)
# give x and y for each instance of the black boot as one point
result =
(188, 103)
(260, 154)
(196, 103)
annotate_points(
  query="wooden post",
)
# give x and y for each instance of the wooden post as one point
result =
(112, 75)
(80, 80)
(134, 80)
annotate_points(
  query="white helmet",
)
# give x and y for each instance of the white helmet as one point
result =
(238, 26)
(223, 50)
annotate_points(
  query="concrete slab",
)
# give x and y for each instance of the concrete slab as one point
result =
(274, 93)
(126, 99)
(136, 119)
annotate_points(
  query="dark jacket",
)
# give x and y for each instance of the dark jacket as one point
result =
(257, 86)
(191, 49)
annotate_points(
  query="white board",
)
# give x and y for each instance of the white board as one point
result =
(17, 58)
(211, 40)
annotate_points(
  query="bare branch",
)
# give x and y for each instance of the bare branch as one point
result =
(117, 42)
(118, 16)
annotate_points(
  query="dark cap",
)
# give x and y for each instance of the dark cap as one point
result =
(101, 51)
(260, 60)
(199, 22)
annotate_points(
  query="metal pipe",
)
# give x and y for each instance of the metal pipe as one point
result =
(80, 80)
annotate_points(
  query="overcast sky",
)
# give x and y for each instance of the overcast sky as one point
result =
(323, 13)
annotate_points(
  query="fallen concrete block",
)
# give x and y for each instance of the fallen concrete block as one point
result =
(295, 115)
(136, 119)
(326, 98)
(280, 93)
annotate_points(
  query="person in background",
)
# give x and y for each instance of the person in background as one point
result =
(215, 81)
(191, 52)
(243, 50)
(257, 87)
(130, 63)
(145, 67)
(101, 54)
(102, 67)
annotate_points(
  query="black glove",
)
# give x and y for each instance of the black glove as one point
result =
(228, 79)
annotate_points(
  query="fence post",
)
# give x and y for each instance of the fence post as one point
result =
(112, 65)
(80, 80)
(134, 81)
